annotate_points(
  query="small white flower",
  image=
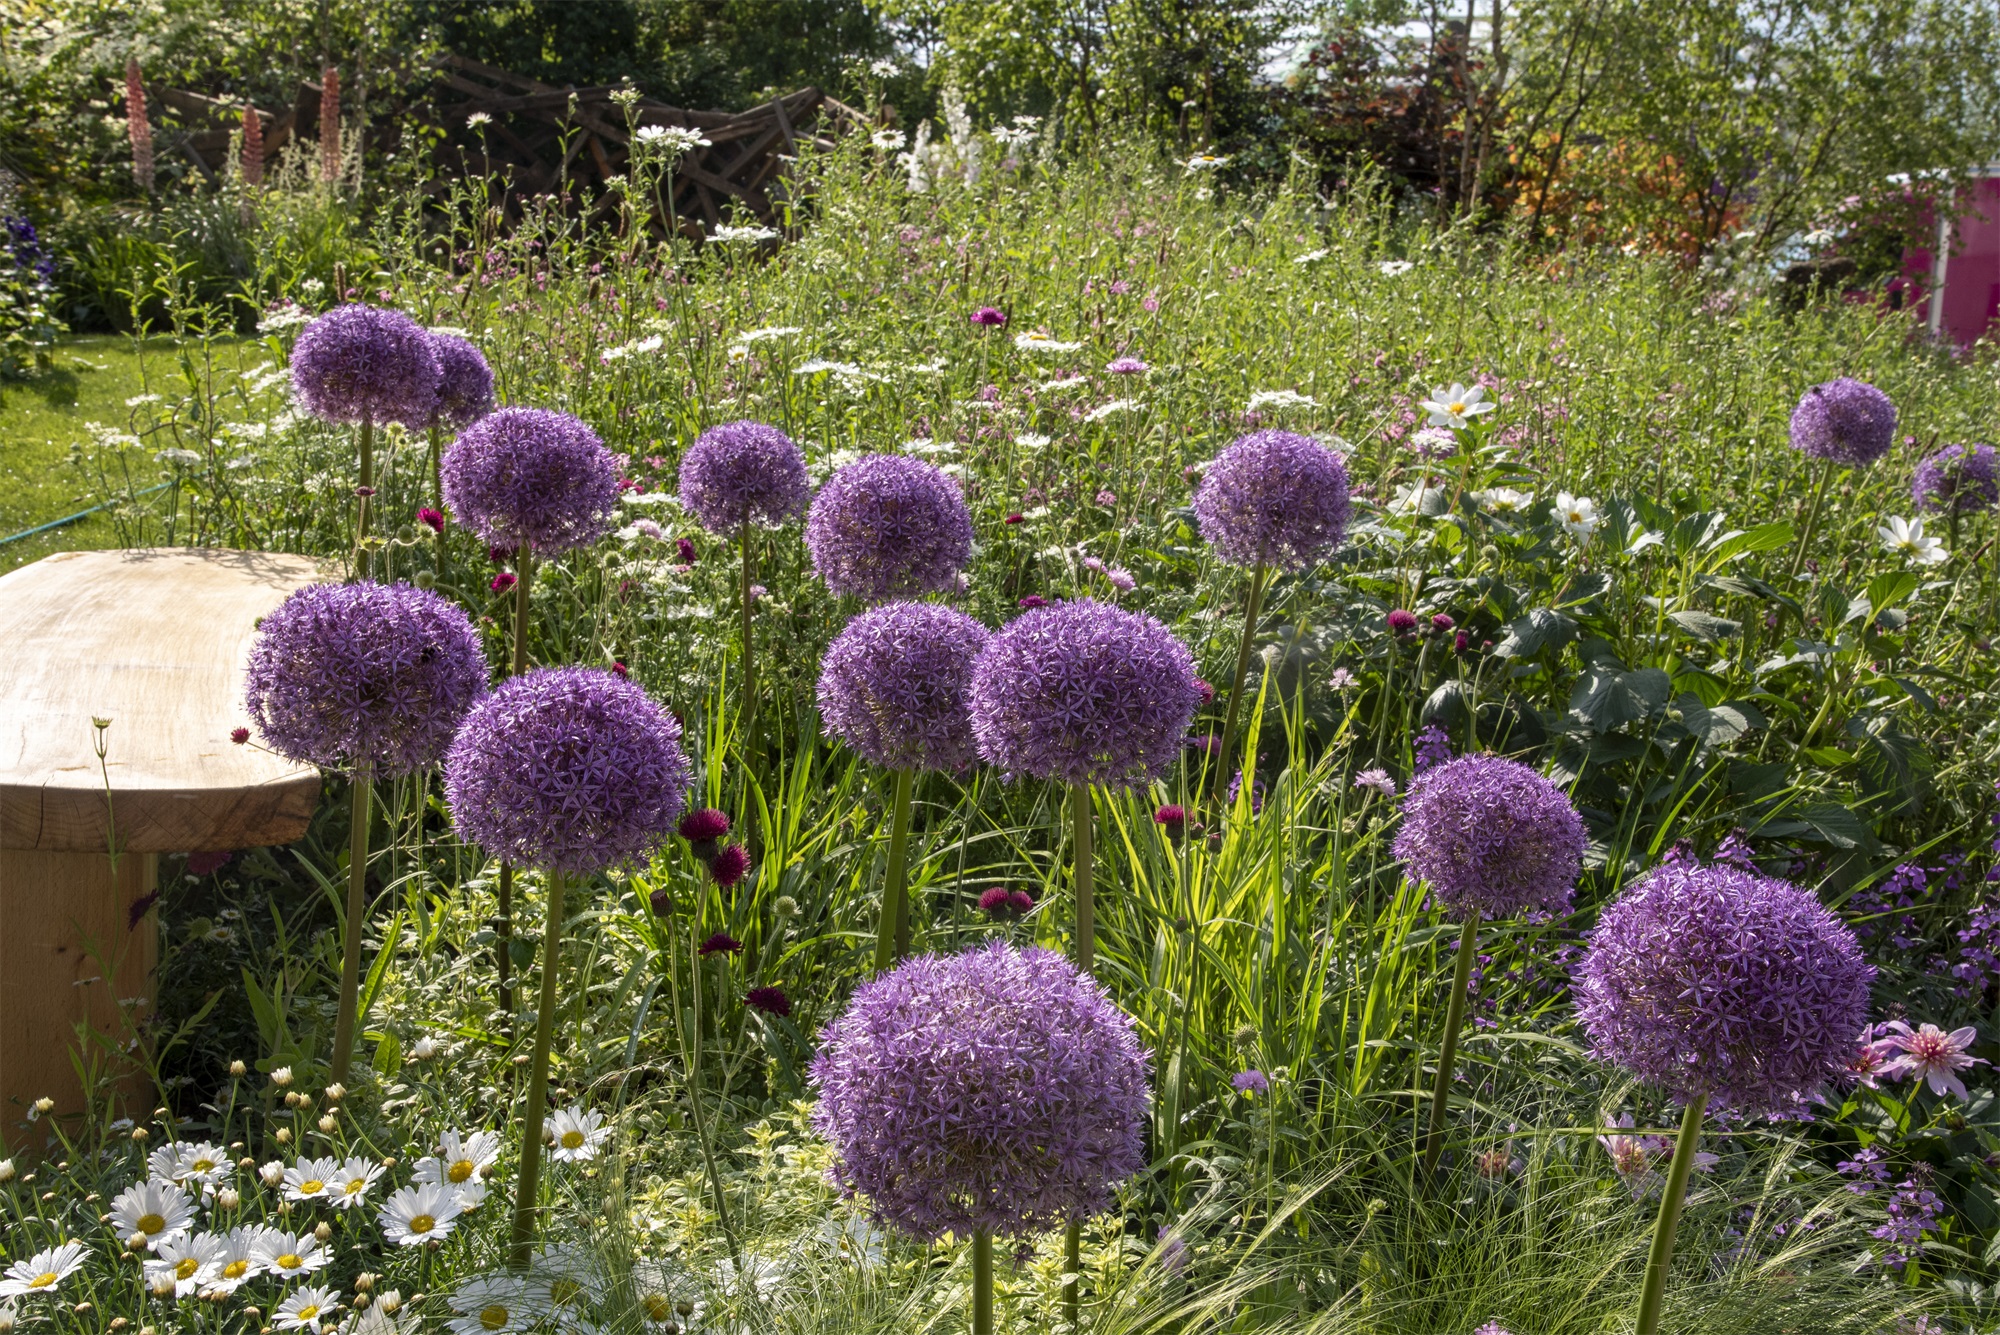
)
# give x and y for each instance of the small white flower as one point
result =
(889, 141)
(746, 235)
(348, 1187)
(415, 1215)
(1395, 268)
(674, 139)
(281, 1076)
(237, 1262)
(1029, 440)
(1504, 500)
(185, 1264)
(492, 1305)
(272, 1173)
(1457, 406)
(770, 332)
(178, 458)
(1112, 409)
(1280, 398)
(425, 1048)
(1906, 537)
(1310, 257)
(1412, 499)
(289, 1255)
(138, 399)
(1578, 515)
(160, 1210)
(1818, 237)
(1037, 340)
(477, 119)
(307, 1179)
(1205, 162)
(43, 1271)
(576, 1134)
(659, 1291)
(563, 1280)
(308, 1308)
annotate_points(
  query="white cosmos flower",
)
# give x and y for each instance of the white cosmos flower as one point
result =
(492, 1305)
(160, 1210)
(306, 1180)
(1037, 340)
(575, 1134)
(348, 1187)
(746, 235)
(1906, 537)
(1456, 406)
(1280, 398)
(889, 141)
(1205, 162)
(289, 1255)
(415, 1215)
(190, 1262)
(1505, 500)
(309, 1308)
(1395, 268)
(237, 1263)
(43, 1271)
(1578, 515)
(1112, 409)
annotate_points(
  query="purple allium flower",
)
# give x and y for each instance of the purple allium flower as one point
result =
(1958, 477)
(1491, 837)
(722, 943)
(893, 685)
(529, 475)
(1082, 692)
(366, 363)
(996, 1090)
(1847, 421)
(1250, 1082)
(567, 769)
(743, 473)
(729, 865)
(465, 383)
(889, 526)
(770, 1000)
(1274, 498)
(1714, 980)
(347, 675)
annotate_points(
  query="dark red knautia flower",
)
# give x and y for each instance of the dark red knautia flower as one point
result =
(1206, 691)
(990, 316)
(685, 547)
(502, 581)
(239, 735)
(1034, 600)
(619, 669)
(720, 944)
(431, 519)
(1015, 519)
(729, 865)
(202, 864)
(770, 1000)
(703, 828)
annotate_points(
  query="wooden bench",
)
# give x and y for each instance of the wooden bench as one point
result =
(155, 641)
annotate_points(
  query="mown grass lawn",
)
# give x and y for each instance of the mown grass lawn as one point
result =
(40, 419)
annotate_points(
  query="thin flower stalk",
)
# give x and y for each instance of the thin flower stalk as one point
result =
(892, 936)
(360, 790)
(1653, 1291)
(1454, 1019)
(1252, 607)
(527, 1190)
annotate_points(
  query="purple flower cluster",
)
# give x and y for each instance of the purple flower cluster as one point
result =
(889, 526)
(893, 686)
(1491, 837)
(1914, 1210)
(530, 475)
(743, 473)
(465, 383)
(1961, 478)
(1719, 981)
(1431, 748)
(567, 769)
(995, 1090)
(1848, 421)
(1082, 692)
(366, 363)
(351, 675)
(1274, 498)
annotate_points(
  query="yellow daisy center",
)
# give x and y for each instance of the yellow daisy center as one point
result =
(312, 1186)
(356, 1185)
(290, 1261)
(657, 1306)
(460, 1170)
(422, 1223)
(150, 1224)
(308, 1312)
(204, 1165)
(187, 1267)
(572, 1140)
(45, 1280)
(1455, 408)
(565, 1291)
(492, 1318)
(235, 1269)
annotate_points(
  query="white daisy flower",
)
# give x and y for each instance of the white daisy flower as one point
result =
(1112, 409)
(1457, 406)
(1395, 268)
(289, 1255)
(1205, 162)
(576, 1134)
(202, 1165)
(1037, 340)
(492, 1305)
(43, 1271)
(1280, 398)
(460, 1159)
(376, 1319)
(477, 119)
(160, 1210)
(1310, 257)
(190, 1262)
(889, 141)
(1504, 500)
(272, 1174)
(1410, 500)
(415, 1215)
(309, 1308)
(307, 1179)
(348, 1187)
(237, 1263)
(1906, 537)
(658, 1291)
(856, 1239)
(1578, 515)
(563, 1280)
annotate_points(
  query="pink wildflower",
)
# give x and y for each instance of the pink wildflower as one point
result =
(1931, 1053)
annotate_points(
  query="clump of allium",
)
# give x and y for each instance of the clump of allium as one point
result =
(363, 675)
(998, 1090)
(366, 363)
(568, 769)
(889, 526)
(1848, 421)
(893, 686)
(1958, 478)
(1713, 980)
(1491, 837)
(529, 475)
(465, 383)
(1274, 498)
(743, 473)
(1083, 693)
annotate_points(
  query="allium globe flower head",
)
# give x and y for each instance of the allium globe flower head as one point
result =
(1848, 421)
(531, 476)
(1960, 479)
(743, 473)
(366, 363)
(893, 686)
(1274, 498)
(572, 770)
(1083, 693)
(1713, 980)
(346, 676)
(465, 383)
(889, 526)
(1491, 837)
(997, 1090)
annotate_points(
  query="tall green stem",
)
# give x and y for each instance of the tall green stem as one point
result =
(982, 1283)
(698, 1096)
(357, 908)
(527, 1190)
(1083, 856)
(749, 659)
(503, 925)
(1812, 517)
(1653, 1294)
(364, 494)
(1454, 1016)
(892, 934)
(437, 489)
(1242, 668)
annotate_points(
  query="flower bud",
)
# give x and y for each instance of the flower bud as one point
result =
(237, 1068)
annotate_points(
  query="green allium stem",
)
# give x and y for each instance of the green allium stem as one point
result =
(1812, 518)
(1083, 856)
(528, 1188)
(437, 490)
(1652, 1295)
(892, 934)
(982, 1283)
(749, 657)
(357, 908)
(698, 1099)
(503, 923)
(367, 484)
(1454, 1017)
(1242, 668)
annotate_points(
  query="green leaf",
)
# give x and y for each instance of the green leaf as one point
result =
(1890, 588)
(1542, 628)
(1583, 588)
(1606, 698)
(1706, 625)
(1763, 538)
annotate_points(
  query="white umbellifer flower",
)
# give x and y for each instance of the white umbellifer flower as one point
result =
(1819, 236)
(889, 141)
(1029, 440)
(819, 364)
(289, 1255)
(348, 1187)
(1906, 537)
(769, 332)
(138, 399)
(237, 1263)
(1039, 340)
(1394, 268)
(575, 1134)
(1457, 406)
(492, 1305)
(1310, 257)
(160, 1210)
(415, 1215)
(307, 1179)
(1577, 515)
(1504, 500)
(43, 1271)
(746, 235)
(188, 1262)
(1205, 162)
(1280, 398)
(1112, 409)
(179, 458)
(308, 1308)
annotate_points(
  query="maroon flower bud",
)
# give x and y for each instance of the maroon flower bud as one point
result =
(770, 1000)
(1021, 901)
(662, 903)
(1173, 819)
(686, 548)
(1461, 642)
(703, 829)
(239, 735)
(1033, 601)
(503, 581)
(729, 864)
(994, 900)
(364, 491)
(720, 944)
(431, 519)
(1442, 622)
(1402, 622)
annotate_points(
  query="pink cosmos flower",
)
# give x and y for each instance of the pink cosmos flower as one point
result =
(1931, 1053)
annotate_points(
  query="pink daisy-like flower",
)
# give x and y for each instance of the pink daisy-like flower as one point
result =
(1871, 1054)
(1931, 1053)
